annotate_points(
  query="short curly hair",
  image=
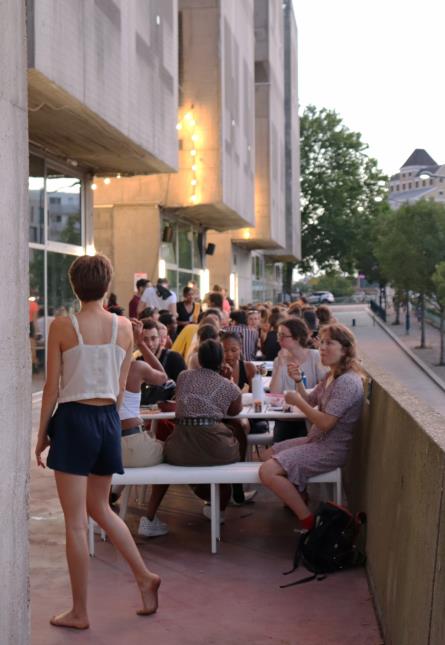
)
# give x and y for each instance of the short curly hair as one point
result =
(90, 276)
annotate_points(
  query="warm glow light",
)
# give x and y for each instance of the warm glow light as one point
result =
(194, 167)
(93, 186)
(246, 234)
(193, 123)
(193, 198)
(179, 126)
(193, 152)
(205, 281)
(107, 181)
(232, 289)
(91, 249)
(188, 116)
(194, 182)
(118, 176)
(162, 269)
(195, 137)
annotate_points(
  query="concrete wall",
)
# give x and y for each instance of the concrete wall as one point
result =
(114, 64)
(396, 474)
(130, 236)
(15, 391)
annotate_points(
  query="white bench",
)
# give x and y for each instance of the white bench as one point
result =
(241, 472)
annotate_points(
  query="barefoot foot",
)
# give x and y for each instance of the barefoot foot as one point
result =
(149, 593)
(70, 619)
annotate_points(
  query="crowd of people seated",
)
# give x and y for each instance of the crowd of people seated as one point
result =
(199, 363)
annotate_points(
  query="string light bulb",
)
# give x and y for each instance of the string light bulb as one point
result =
(93, 186)
(194, 182)
(107, 181)
(193, 152)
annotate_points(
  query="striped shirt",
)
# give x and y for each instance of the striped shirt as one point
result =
(249, 340)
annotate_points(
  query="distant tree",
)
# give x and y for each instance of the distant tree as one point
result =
(335, 282)
(439, 286)
(342, 192)
(410, 243)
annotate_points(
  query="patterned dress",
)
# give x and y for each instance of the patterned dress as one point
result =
(321, 452)
(203, 393)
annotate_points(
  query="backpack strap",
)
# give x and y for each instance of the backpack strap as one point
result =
(75, 324)
(314, 576)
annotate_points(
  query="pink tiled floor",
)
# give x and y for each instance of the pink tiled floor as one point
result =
(233, 597)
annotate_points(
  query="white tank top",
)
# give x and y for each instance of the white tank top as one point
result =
(91, 371)
(131, 402)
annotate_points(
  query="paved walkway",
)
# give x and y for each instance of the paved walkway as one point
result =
(385, 352)
(226, 599)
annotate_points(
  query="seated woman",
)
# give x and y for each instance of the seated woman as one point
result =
(339, 398)
(293, 336)
(200, 438)
(269, 337)
(139, 448)
(205, 331)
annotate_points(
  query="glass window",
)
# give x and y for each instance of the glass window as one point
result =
(36, 196)
(64, 208)
(172, 277)
(183, 280)
(37, 330)
(168, 245)
(185, 238)
(61, 299)
(197, 250)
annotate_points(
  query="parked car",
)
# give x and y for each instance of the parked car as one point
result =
(320, 297)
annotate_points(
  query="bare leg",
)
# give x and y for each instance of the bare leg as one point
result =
(274, 477)
(98, 507)
(156, 497)
(72, 493)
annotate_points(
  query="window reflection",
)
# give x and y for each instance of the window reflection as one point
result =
(36, 195)
(61, 299)
(64, 208)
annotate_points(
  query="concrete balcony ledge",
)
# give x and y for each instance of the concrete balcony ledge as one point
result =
(396, 475)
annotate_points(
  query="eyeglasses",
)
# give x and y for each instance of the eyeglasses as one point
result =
(284, 335)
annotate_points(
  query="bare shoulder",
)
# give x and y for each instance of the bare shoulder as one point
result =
(124, 324)
(124, 332)
(60, 325)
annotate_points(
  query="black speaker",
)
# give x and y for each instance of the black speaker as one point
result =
(210, 250)
(167, 233)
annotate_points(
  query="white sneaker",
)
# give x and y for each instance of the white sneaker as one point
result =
(152, 528)
(207, 512)
(248, 497)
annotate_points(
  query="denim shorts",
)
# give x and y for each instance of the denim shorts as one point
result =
(85, 439)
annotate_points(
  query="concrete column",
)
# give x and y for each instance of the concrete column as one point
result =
(15, 379)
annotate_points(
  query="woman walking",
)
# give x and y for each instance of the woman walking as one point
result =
(89, 355)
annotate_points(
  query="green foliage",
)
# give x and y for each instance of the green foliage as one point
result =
(335, 282)
(439, 283)
(410, 242)
(340, 185)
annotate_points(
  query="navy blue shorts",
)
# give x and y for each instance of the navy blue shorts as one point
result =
(85, 439)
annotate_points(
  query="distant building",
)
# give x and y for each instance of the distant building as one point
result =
(407, 186)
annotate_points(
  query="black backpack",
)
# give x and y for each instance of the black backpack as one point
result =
(331, 545)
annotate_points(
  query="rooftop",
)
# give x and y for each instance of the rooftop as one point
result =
(419, 157)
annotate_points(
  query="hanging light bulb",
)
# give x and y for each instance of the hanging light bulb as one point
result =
(193, 152)
(107, 181)
(194, 167)
(93, 186)
(194, 182)
(193, 198)
(179, 126)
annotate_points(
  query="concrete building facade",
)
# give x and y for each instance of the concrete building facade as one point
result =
(15, 408)
(103, 90)
(215, 183)
(253, 257)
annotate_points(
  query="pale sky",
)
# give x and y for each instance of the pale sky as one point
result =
(381, 66)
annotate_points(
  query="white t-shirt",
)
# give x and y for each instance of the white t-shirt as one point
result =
(312, 368)
(151, 299)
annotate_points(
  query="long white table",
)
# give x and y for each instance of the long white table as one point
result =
(247, 412)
